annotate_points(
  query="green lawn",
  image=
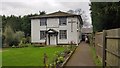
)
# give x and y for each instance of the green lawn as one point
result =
(29, 56)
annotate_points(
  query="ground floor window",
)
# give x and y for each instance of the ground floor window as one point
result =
(42, 35)
(63, 34)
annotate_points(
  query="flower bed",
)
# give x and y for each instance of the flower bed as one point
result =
(62, 57)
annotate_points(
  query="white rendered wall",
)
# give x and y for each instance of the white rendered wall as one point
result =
(53, 23)
(35, 31)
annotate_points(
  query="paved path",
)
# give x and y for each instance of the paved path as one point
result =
(82, 56)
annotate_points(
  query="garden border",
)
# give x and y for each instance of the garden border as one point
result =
(66, 60)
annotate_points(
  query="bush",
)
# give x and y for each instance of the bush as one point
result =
(19, 35)
(23, 40)
(9, 36)
(28, 39)
(60, 59)
(12, 38)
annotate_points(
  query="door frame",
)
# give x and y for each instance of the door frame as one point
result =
(56, 36)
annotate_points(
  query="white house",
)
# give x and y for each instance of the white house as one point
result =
(56, 28)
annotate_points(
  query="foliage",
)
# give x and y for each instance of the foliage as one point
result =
(60, 56)
(42, 12)
(19, 23)
(3, 39)
(12, 38)
(19, 35)
(83, 15)
(9, 36)
(17, 27)
(105, 15)
(61, 59)
(28, 39)
(23, 40)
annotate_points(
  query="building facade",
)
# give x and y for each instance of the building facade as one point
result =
(56, 28)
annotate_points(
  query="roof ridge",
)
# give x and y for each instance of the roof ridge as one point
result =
(56, 14)
(61, 12)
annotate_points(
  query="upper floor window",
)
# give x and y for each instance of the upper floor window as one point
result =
(43, 22)
(42, 35)
(62, 21)
(63, 34)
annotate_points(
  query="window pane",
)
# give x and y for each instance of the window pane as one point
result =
(43, 22)
(42, 34)
(63, 34)
(62, 21)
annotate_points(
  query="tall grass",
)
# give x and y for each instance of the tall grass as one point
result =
(95, 58)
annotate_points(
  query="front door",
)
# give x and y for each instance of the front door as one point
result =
(52, 40)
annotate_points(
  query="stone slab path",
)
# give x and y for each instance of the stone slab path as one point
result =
(82, 56)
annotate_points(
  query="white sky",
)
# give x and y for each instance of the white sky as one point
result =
(24, 7)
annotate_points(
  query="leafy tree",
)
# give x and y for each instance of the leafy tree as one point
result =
(83, 15)
(26, 25)
(42, 12)
(105, 15)
(9, 36)
(11, 24)
(19, 23)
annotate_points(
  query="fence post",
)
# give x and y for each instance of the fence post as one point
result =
(104, 49)
(45, 59)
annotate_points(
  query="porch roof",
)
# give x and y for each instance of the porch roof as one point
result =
(51, 31)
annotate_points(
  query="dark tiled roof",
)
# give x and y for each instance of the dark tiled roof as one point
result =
(55, 14)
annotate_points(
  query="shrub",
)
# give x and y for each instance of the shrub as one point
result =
(17, 38)
(9, 36)
(12, 38)
(28, 39)
(60, 59)
(23, 40)
(19, 35)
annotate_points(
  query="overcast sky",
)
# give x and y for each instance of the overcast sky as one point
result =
(24, 7)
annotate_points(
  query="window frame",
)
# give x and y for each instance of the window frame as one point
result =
(42, 37)
(62, 35)
(43, 21)
(62, 21)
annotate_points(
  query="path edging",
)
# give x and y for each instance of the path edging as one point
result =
(66, 60)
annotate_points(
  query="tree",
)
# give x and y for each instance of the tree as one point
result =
(83, 15)
(9, 36)
(71, 11)
(26, 25)
(19, 23)
(42, 12)
(105, 15)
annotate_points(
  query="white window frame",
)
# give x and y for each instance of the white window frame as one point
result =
(62, 34)
(63, 21)
(42, 35)
(43, 22)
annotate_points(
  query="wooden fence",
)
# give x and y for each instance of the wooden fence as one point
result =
(107, 45)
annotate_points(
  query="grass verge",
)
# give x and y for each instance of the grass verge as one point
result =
(95, 58)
